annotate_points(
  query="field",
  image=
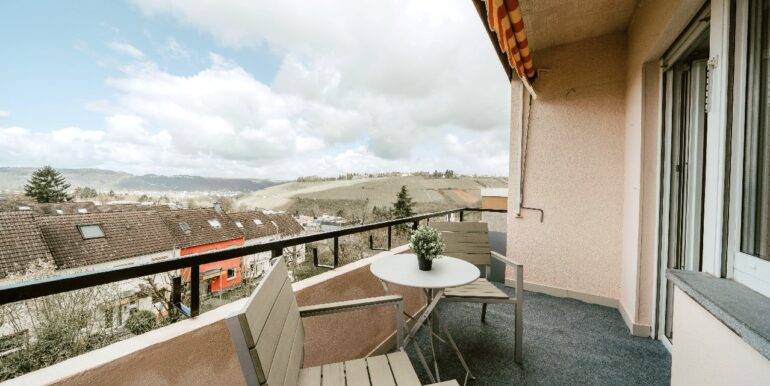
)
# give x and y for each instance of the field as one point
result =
(355, 198)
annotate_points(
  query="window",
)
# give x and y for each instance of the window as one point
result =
(231, 274)
(215, 224)
(755, 229)
(748, 258)
(91, 231)
(238, 224)
(257, 221)
(82, 210)
(185, 227)
(59, 211)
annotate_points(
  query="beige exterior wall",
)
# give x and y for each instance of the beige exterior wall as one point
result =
(574, 171)
(706, 352)
(655, 25)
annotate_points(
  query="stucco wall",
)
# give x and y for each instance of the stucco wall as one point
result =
(706, 352)
(574, 170)
(655, 25)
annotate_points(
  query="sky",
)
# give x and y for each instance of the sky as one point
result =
(251, 88)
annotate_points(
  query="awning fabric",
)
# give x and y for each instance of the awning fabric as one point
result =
(504, 17)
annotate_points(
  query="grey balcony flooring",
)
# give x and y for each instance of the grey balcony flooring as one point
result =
(566, 342)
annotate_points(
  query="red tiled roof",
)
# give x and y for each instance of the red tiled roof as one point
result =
(21, 242)
(126, 234)
(250, 229)
(200, 232)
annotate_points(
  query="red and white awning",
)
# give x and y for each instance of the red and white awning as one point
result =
(504, 18)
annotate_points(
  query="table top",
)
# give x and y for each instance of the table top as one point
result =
(403, 270)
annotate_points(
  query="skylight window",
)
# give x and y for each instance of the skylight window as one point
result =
(82, 210)
(185, 227)
(59, 211)
(91, 231)
(257, 221)
(238, 224)
(215, 224)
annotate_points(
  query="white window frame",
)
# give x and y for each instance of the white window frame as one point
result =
(235, 274)
(752, 271)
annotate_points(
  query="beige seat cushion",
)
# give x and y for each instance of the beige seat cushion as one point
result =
(480, 288)
(390, 369)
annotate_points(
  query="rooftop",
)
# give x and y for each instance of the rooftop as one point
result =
(192, 227)
(123, 235)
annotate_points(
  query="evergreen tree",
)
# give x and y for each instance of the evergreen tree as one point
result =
(404, 207)
(47, 185)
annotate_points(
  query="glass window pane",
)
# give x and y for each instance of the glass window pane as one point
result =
(755, 232)
(91, 231)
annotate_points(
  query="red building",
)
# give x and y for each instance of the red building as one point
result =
(203, 230)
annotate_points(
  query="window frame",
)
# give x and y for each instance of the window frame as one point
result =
(749, 270)
(235, 274)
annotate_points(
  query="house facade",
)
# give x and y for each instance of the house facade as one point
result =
(639, 132)
(202, 230)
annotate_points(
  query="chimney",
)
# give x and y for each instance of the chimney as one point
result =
(217, 206)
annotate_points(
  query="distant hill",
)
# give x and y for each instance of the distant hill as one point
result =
(358, 196)
(13, 178)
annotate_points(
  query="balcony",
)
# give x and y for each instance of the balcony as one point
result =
(566, 341)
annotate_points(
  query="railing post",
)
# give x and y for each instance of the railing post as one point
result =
(390, 235)
(415, 225)
(315, 256)
(448, 217)
(195, 290)
(371, 242)
(176, 290)
(336, 251)
(276, 252)
(461, 216)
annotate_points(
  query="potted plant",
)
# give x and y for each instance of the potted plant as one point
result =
(427, 244)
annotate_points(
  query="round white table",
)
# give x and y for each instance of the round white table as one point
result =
(446, 272)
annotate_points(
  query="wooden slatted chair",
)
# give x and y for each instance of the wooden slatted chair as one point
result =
(470, 241)
(268, 337)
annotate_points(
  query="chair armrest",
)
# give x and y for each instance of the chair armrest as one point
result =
(506, 260)
(348, 305)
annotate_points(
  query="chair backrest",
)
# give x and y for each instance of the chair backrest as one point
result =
(468, 241)
(267, 333)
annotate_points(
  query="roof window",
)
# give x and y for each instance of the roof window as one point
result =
(185, 227)
(257, 221)
(91, 231)
(238, 224)
(215, 224)
(82, 210)
(59, 211)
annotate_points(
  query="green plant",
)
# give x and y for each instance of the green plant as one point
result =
(140, 321)
(426, 242)
(47, 185)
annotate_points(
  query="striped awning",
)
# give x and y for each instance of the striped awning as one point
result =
(504, 18)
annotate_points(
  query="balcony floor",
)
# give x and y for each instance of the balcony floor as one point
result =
(565, 342)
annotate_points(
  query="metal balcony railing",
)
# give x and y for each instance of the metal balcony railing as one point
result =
(50, 286)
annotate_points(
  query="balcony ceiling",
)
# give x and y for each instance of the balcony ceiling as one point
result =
(551, 23)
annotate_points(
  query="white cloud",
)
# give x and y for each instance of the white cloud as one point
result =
(126, 49)
(363, 86)
(4, 114)
(174, 49)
